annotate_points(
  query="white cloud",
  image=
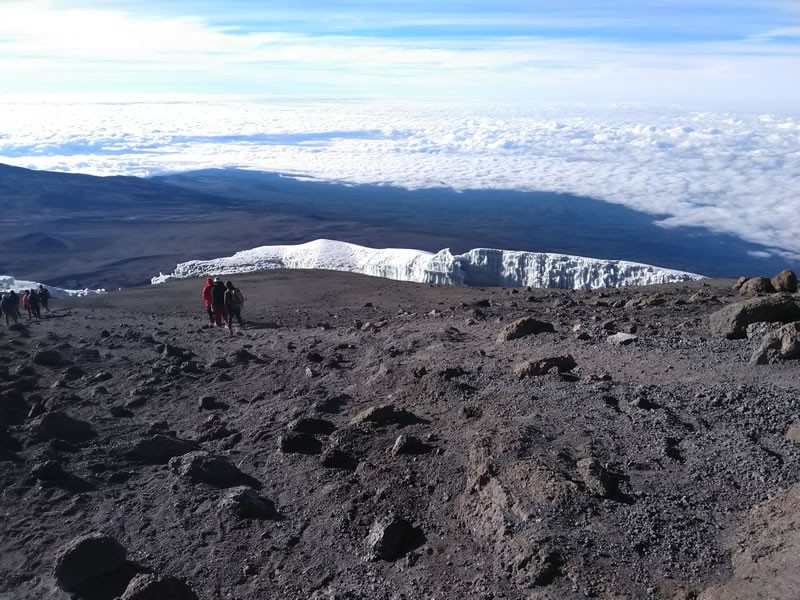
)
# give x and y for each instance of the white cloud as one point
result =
(729, 173)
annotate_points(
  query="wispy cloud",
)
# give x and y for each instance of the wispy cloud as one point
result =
(719, 55)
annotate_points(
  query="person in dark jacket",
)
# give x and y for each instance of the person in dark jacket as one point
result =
(44, 297)
(15, 301)
(234, 301)
(218, 303)
(33, 304)
(7, 308)
(207, 298)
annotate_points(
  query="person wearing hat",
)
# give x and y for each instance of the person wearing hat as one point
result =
(218, 303)
(207, 298)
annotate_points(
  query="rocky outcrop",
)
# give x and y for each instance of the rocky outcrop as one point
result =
(731, 322)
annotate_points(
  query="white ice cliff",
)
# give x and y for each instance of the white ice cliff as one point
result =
(479, 267)
(8, 282)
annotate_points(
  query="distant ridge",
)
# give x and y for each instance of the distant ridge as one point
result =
(478, 267)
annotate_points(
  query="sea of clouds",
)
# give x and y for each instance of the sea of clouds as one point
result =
(730, 173)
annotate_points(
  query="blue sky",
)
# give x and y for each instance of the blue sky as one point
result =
(733, 54)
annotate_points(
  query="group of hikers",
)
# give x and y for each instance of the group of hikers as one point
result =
(33, 301)
(224, 303)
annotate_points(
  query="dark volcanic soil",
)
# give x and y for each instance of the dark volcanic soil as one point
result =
(660, 468)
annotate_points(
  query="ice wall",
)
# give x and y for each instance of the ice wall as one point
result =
(479, 267)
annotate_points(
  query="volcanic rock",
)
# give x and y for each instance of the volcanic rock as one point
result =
(782, 344)
(13, 407)
(48, 358)
(294, 442)
(246, 503)
(524, 327)
(202, 467)
(622, 339)
(532, 368)
(732, 321)
(86, 557)
(785, 281)
(391, 537)
(756, 286)
(596, 478)
(409, 444)
(148, 586)
(383, 415)
(59, 425)
(159, 449)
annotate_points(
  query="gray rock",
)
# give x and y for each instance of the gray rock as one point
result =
(782, 344)
(596, 478)
(408, 444)
(13, 407)
(73, 373)
(148, 586)
(159, 449)
(785, 281)
(246, 503)
(390, 538)
(622, 339)
(384, 414)
(202, 467)
(48, 358)
(533, 368)
(59, 425)
(207, 402)
(524, 327)
(86, 557)
(311, 425)
(294, 442)
(756, 286)
(732, 321)
(47, 470)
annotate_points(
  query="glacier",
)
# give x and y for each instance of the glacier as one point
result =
(9, 282)
(479, 267)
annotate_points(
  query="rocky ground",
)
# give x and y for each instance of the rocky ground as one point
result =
(369, 439)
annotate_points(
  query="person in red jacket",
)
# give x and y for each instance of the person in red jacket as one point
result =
(207, 298)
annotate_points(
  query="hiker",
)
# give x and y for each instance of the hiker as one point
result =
(25, 304)
(234, 301)
(207, 298)
(44, 297)
(218, 303)
(7, 308)
(15, 303)
(33, 304)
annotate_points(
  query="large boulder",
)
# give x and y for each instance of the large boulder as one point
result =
(245, 503)
(731, 322)
(785, 281)
(783, 344)
(756, 286)
(85, 557)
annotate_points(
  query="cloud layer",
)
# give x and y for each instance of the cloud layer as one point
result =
(729, 173)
